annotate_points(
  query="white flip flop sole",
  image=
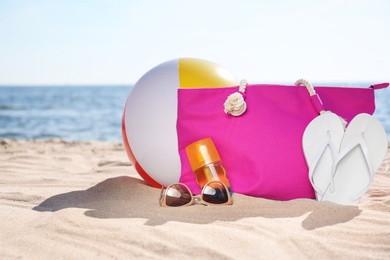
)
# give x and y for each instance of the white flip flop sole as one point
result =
(321, 142)
(362, 150)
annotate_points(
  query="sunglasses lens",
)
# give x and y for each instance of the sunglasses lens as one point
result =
(177, 195)
(215, 193)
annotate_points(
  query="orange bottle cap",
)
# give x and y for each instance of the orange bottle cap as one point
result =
(201, 153)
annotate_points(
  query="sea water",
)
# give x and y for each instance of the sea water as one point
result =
(87, 113)
(69, 113)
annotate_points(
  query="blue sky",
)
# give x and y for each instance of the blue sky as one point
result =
(89, 42)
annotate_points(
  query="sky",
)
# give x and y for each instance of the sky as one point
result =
(115, 42)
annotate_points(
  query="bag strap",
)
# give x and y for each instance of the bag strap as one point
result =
(316, 100)
(314, 97)
(235, 104)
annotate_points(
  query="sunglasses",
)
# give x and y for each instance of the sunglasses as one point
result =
(178, 195)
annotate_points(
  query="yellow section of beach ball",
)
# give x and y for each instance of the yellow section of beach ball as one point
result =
(197, 73)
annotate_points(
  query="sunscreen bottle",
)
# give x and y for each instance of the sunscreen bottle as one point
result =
(206, 163)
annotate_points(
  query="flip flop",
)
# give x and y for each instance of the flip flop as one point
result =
(362, 150)
(321, 143)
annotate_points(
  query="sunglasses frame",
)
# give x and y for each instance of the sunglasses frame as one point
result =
(195, 199)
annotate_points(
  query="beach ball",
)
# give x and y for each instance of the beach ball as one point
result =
(149, 117)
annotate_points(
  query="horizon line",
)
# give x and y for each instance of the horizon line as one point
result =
(283, 82)
(67, 85)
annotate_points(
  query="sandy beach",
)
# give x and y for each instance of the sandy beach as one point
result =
(84, 200)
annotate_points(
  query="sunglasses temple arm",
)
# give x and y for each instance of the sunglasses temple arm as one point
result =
(162, 195)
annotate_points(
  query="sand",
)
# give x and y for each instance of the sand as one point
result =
(84, 200)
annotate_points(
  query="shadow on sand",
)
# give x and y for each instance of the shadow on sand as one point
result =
(127, 197)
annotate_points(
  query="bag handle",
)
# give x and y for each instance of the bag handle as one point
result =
(316, 100)
(235, 104)
(314, 97)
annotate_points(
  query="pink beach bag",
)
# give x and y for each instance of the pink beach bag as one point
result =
(261, 149)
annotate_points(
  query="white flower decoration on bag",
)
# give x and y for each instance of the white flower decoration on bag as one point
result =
(235, 104)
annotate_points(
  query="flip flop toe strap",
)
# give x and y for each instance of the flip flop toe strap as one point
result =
(313, 164)
(362, 144)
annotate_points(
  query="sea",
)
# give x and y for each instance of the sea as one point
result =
(87, 113)
(70, 113)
